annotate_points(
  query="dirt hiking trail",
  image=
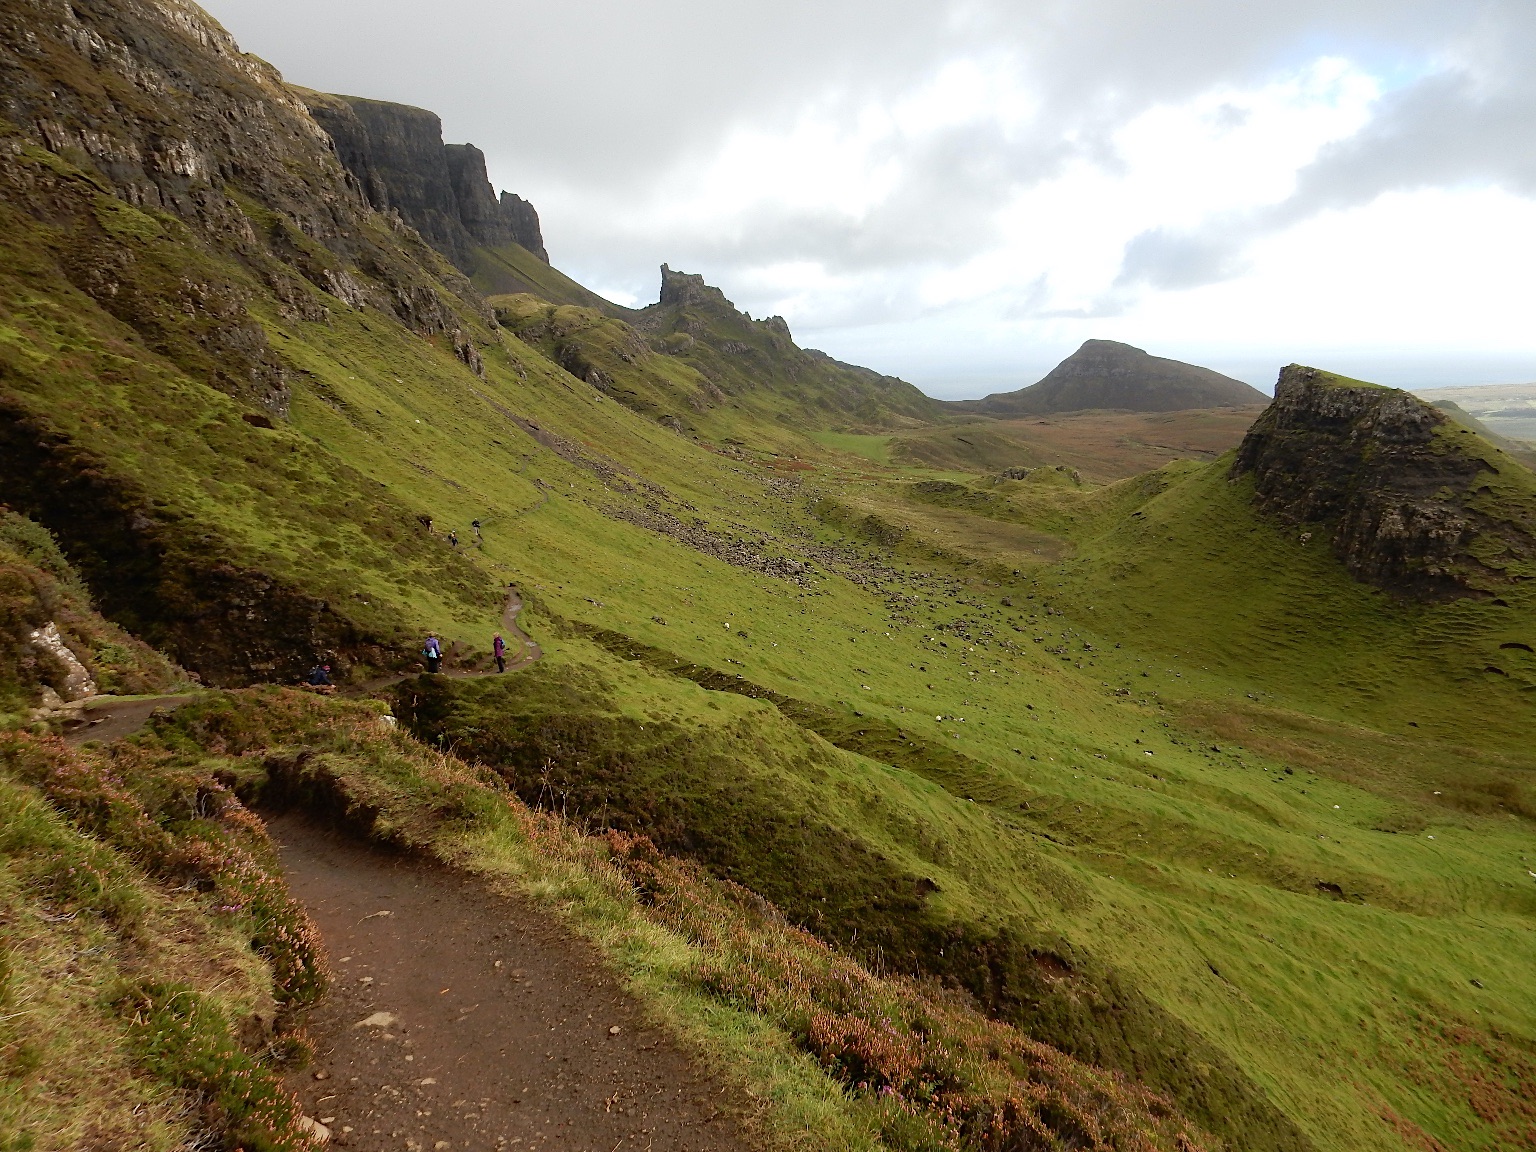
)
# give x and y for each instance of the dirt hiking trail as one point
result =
(108, 718)
(522, 651)
(460, 1019)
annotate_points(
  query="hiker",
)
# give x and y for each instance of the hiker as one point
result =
(433, 651)
(453, 538)
(475, 524)
(499, 650)
(320, 676)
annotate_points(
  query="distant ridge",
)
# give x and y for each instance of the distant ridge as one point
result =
(1108, 374)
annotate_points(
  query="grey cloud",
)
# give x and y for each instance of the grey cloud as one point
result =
(1469, 123)
(1162, 258)
(592, 108)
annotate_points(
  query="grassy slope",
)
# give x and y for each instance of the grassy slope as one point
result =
(1225, 862)
(1145, 847)
(1194, 874)
(513, 269)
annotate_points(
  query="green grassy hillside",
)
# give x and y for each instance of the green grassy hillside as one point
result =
(512, 270)
(1134, 766)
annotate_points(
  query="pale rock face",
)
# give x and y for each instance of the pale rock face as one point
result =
(317, 1132)
(78, 684)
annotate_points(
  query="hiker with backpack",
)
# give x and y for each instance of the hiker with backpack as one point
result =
(433, 651)
(499, 650)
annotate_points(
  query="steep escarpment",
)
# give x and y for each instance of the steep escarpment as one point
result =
(167, 209)
(1415, 502)
(397, 155)
(161, 109)
(1108, 374)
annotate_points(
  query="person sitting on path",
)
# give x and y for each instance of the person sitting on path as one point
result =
(499, 650)
(433, 651)
(320, 676)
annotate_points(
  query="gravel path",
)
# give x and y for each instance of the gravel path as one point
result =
(459, 1019)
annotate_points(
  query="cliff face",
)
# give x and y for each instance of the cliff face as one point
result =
(1409, 496)
(165, 112)
(397, 155)
(1107, 374)
(166, 202)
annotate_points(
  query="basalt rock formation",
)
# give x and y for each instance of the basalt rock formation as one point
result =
(1408, 495)
(1107, 374)
(397, 155)
(179, 200)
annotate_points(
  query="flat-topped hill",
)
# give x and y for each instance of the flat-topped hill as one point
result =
(1108, 374)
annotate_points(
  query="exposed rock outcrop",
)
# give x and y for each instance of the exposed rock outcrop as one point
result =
(738, 356)
(76, 682)
(165, 113)
(397, 155)
(1402, 487)
(688, 290)
(1107, 374)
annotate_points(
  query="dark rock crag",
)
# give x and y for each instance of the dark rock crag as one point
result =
(1109, 375)
(1395, 480)
(181, 187)
(397, 155)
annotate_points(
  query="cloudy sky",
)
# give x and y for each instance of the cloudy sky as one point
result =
(961, 192)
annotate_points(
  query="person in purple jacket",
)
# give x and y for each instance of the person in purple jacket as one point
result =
(433, 651)
(499, 650)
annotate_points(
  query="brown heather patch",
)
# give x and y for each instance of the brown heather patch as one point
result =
(1410, 1133)
(138, 809)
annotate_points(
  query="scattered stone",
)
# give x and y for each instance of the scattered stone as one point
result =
(377, 1020)
(316, 1131)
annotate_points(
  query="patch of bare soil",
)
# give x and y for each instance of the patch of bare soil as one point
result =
(460, 1019)
(106, 718)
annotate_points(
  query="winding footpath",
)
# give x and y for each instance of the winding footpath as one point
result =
(107, 718)
(518, 641)
(459, 1018)
(465, 1019)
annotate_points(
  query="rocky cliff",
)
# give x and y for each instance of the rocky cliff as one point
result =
(397, 155)
(1107, 374)
(167, 204)
(738, 356)
(1412, 501)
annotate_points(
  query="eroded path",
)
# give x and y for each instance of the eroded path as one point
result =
(459, 1019)
(522, 651)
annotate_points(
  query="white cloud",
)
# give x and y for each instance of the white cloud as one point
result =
(961, 191)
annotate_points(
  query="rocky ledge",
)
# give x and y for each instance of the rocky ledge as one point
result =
(1404, 490)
